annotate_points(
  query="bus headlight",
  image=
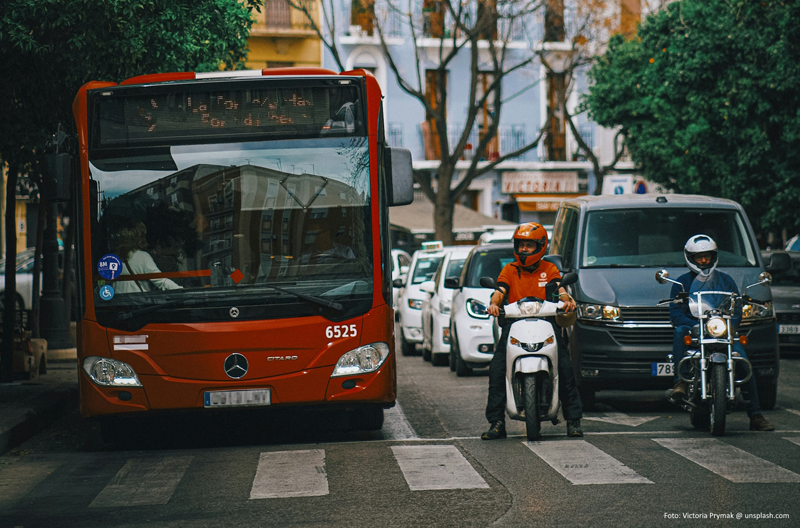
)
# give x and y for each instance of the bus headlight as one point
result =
(716, 327)
(109, 372)
(362, 360)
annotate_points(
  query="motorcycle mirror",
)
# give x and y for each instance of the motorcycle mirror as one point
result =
(661, 276)
(569, 278)
(765, 279)
(488, 282)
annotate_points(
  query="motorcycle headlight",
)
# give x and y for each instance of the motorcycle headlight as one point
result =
(598, 311)
(716, 327)
(444, 308)
(362, 360)
(477, 309)
(110, 372)
(415, 304)
(755, 311)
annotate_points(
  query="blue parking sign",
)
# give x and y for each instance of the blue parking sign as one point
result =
(109, 266)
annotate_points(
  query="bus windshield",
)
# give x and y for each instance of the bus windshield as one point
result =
(273, 228)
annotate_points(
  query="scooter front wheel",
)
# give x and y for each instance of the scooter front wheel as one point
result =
(532, 425)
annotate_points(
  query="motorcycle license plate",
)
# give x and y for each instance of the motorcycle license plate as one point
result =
(662, 369)
(237, 398)
(789, 329)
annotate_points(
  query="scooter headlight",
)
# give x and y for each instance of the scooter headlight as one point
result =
(716, 327)
(530, 308)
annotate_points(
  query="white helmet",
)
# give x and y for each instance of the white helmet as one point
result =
(700, 244)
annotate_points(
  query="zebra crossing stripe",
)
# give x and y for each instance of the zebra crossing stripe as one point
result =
(143, 481)
(396, 426)
(19, 479)
(727, 461)
(582, 463)
(436, 467)
(283, 474)
(793, 439)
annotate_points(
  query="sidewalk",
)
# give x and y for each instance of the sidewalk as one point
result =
(27, 407)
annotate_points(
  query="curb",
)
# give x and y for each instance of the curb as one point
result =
(36, 413)
(61, 354)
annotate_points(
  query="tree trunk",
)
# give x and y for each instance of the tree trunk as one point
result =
(443, 206)
(9, 313)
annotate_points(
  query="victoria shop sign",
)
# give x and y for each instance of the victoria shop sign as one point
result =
(525, 182)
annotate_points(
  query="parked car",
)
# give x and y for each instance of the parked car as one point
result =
(793, 244)
(504, 234)
(786, 302)
(471, 336)
(616, 244)
(400, 263)
(409, 303)
(24, 278)
(436, 307)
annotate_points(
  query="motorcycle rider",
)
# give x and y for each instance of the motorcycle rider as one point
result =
(527, 277)
(700, 252)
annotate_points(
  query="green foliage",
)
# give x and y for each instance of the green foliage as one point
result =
(709, 96)
(50, 48)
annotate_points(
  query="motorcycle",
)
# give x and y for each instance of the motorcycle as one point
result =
(532, 357)
(713, 390)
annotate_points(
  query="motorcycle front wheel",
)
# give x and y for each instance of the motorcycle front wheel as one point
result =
(532, 424)
(719, 398)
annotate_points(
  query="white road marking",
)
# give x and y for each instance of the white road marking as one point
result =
(582, 463)
(283, 474)
(396, 426)
(143, 481)
(619, 418)
(19, 479)
(795, 411)
(794, 439)
(727, 461)
(436, 467)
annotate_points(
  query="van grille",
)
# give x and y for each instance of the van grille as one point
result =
(645, 314)
(641, 336)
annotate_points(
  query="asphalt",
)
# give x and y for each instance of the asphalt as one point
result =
(29, 406)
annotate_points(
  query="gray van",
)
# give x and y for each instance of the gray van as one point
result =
(616, 244)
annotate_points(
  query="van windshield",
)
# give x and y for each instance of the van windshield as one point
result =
(630, 238)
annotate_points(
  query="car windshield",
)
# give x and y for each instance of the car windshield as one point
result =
(454, 268)
(425, 269)
(487, 264)
(628, 238)
(230, 222)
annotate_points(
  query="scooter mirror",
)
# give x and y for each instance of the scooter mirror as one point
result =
(569, 278)
(488, 282)
(661, 276)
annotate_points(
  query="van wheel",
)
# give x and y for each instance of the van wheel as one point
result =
(451, 357)
(426, 352)
(587, 397)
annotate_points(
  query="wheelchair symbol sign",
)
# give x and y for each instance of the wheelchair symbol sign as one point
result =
(106, 292)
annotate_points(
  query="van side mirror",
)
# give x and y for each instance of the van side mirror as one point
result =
(488, 282)
(399, 175)
(779, 261)
(451, 283)
(397, 283)
(57, 178)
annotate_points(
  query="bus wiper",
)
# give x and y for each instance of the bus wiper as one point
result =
(124, 316)
(310, 298)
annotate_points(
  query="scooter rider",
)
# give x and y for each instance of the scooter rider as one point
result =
(700, 252)
(527, 277)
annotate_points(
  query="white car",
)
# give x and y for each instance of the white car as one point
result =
(471, 336)
(24, 279)
(436, 307)
(500, 235)
(409, 303)
(400, 265)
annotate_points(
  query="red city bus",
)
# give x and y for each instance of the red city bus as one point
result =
(234, 244)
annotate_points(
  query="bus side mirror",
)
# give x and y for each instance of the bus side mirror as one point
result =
(57, 178)
(399, 176)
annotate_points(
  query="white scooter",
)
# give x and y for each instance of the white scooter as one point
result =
(532, 358)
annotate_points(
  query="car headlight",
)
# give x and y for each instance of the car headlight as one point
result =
(415, 304)
(716, 327)
(755, 311)
(362, 360)
(109, 372)
(444, 308)
(477, 309)
(598, 311)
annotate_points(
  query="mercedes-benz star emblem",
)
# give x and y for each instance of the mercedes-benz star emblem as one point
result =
(234, 312)
(236, 366)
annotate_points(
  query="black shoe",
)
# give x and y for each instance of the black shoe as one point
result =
(759, 423)
(496, 431)
(574, 429)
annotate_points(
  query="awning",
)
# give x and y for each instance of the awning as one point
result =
(417, 217)
(543, 202)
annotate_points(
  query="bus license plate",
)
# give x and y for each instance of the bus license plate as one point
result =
(237, 398)
(789, 329)
(662, 369)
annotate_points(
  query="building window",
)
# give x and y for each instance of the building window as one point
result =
(486, 116)
(555, 142)
(554, 21)
(430, 134)
(362, 14)
(277, 14)
(433, 18)
(395, 135)
(487, 18)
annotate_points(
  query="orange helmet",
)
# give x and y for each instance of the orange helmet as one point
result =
(532, 232)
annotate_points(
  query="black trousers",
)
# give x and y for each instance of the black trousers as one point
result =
(567, 389)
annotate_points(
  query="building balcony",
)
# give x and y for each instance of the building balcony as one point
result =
(509, 138)
(278, 19)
